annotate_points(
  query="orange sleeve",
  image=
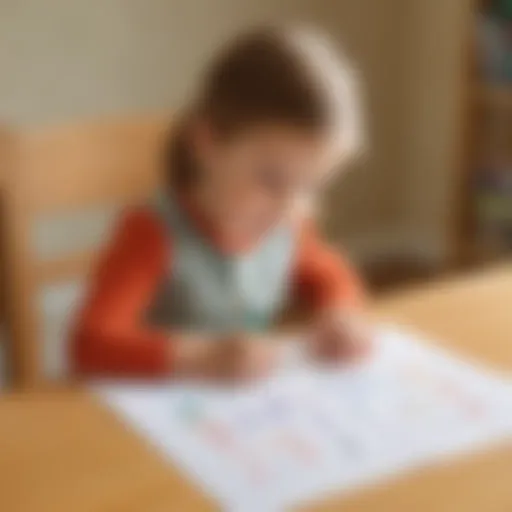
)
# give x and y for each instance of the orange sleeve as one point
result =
(110, 337)
(322, 278)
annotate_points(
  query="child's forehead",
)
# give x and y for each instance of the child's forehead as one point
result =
(289, 139)
(282, 133)
(316, 151)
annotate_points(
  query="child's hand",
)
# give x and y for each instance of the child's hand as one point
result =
(236, 358)
(341, 337)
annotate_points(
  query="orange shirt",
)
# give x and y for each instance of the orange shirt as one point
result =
(111, 337)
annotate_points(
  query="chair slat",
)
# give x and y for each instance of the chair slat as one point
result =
(65, 268)
(92, 164)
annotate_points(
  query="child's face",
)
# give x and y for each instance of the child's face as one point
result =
(255, 179)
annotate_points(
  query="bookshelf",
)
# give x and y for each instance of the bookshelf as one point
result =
(486, 221)
(495, 96)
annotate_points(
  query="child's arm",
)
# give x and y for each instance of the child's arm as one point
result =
(111, 337)
(330, 287)
(323, 279)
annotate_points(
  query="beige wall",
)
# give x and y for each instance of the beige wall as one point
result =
(373, 30)
(63, 59)
(66, 59)
(435, 76)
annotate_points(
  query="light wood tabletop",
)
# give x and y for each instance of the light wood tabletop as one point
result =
(62, 452)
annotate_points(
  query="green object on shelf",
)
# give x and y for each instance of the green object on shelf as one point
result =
(503, 8)
(495, 208)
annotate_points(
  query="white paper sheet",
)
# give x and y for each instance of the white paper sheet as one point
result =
(309, 431)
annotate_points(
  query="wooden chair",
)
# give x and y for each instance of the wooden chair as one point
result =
(53, 172)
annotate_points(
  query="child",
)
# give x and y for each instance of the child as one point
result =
(190, 283)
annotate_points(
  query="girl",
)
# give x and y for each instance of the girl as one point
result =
(190, 283)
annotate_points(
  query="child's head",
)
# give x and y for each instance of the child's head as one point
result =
(277, 111)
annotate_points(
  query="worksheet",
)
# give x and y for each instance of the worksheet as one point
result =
(311, 431)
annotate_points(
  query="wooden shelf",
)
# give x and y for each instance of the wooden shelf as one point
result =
(486, 127)
(495, 96)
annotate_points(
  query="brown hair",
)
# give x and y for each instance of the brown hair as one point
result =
(284, 74)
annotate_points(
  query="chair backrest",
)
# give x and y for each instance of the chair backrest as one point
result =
(52, 173)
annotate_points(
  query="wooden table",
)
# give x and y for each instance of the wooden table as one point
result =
(62, 452)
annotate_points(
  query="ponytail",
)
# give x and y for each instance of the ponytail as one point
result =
(180, 165)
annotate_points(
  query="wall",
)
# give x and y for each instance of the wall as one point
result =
(366, 202)
(415, 57)
(63, 59)
(435, 77)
